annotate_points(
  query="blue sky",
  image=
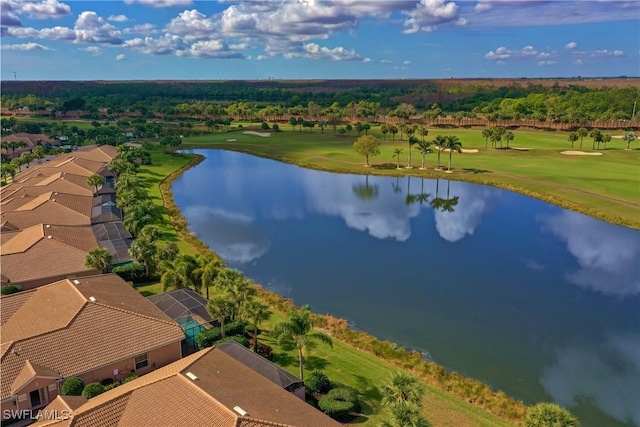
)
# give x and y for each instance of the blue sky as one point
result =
(296, 39)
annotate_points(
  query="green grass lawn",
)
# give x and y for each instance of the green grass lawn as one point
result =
(606, 186)
(348, 366)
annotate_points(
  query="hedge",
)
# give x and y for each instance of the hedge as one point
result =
(131, 272)
(237, 338)
(339, 402)
(92, 390)
(8, 290)
(130, 377)
(72, 386)
(210, 336)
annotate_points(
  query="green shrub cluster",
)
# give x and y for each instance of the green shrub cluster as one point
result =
(210, 336)
(317, 382)
(92, 390)
(8, 290)
(130, 377)
(131, 272)
(339, 402)
(72, 386)
(112, 385)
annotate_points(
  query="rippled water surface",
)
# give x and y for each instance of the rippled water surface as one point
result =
(538, 301)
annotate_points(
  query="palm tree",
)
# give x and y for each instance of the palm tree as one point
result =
(256, 312)
(423, 131)
(597, 137)
(424, 148)
(605, 139)
(508, 136)
(629, 137)
(143, 250)
(396, 153)
(404, 415)
(39, 153)
(573, 137)
(549, 414)
(207, 272)
(453, 144)
(98, 258)
(439, 141)
(96, 181)
(8, 169)
(582, 132)
(220, 308)
(412, 140)
(139, 215)
(486, 134)
(402, 387)
(298, 330)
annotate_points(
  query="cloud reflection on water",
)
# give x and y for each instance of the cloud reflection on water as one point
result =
(607, 254)
(609, 375)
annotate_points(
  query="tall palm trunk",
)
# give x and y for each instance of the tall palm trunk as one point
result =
(450, 153)
(300, 362)
(222, 332)
(423, 161)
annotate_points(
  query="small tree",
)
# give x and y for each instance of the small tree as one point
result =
(98, 258)
(629, 137)
(72, 386)
(396, 153)
(549, 415)
(220, 308)
(96, 181)
(367, 146)
(573, 137)
(317, 382)
(92, 390)
(39, 153)
(424, 148)
(256, 312)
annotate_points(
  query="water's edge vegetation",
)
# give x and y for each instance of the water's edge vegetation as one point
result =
(467, 389)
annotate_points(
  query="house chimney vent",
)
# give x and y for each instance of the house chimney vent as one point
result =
(76, 282)
(191, 376)
(92, 299)
(240, 411)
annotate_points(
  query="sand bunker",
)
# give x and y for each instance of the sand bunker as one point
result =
(579, 153)
(617, 136)
(463, 150)
(521, 148)
(262, 134)
(231, 140)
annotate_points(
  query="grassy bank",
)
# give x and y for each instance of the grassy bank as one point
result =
(357, 359)
(605, 187)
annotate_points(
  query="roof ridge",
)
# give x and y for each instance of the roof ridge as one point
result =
(205, 394)
(66, 244)
(135, 313)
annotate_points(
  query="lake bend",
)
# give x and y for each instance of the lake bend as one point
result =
(535, 300)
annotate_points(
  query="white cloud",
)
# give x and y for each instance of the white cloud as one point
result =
(45, 9)
(607, 375)
(165, 45)
(315, 51)
(209, 49)
(121, 57)
(161, 3)
(606, 254)
(543, 63)
(500, 53)
(93, 50)
(117, 18)
(24, 46)
(192, 24)
(142, 29)
(91, 28)
(406, 62)
(527, 52)
(385, 61)
(428, 14)
(571, 45)
(579, 62)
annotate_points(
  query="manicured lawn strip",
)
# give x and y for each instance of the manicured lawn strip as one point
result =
(163, 165)
(348, 366)
(606, 187)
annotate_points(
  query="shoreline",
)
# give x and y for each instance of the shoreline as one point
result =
(470, 390)
(433, 174)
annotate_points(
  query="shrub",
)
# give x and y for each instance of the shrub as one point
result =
(131, 272)
(549, 415)
(92, 390)
(8, 290)
(317, 382)
(275, 127)
(237, 338)
(72, 386)
(209, 337)
(130, 377)
(336, 409)
(345, 394)
(112, 386)
(264, 126)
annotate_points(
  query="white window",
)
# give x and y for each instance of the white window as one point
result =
(142, 361)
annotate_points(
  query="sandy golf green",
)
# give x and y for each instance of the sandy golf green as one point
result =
(605, 185)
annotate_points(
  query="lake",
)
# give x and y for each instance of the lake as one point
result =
(540, 302)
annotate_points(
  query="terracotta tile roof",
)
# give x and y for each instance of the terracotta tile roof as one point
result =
(51, 208)
(55, 251)
(221, 384)
(7, 226)
(28, 373)
(11, 304)
(95, 333)
(65, 403)
(103, 153)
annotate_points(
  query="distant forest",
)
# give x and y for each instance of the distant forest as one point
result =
(561, 101)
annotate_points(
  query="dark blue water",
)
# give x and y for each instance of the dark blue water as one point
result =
(537, 301)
